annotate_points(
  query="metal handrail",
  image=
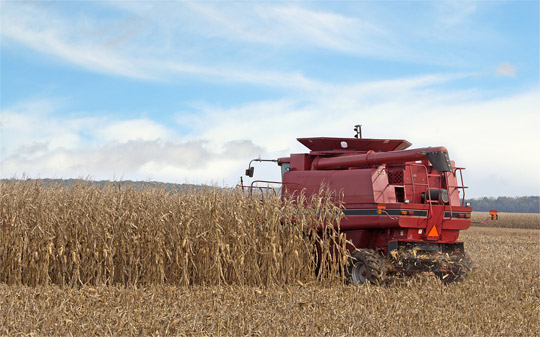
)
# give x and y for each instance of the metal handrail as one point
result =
(456, 187)
(430, 213)
(463, 187)
(261, 188)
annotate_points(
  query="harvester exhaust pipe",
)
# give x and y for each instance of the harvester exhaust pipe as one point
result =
(358, 130)
(437, 156)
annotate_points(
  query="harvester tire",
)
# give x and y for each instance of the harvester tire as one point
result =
(365, 265)
(459, 270)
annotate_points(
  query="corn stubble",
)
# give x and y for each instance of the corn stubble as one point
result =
(508, 220)
(265, 285)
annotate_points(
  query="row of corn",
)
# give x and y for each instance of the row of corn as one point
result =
(138, 235)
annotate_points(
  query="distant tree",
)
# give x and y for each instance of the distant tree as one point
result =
(527, 204)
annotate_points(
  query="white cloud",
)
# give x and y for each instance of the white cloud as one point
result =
(482, 135)
(30, 127)
(506, 69)
(325, 111)
(135, 129)
(191, 161)
(38, 143)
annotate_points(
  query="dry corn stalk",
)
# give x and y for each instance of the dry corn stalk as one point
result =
(118, 234)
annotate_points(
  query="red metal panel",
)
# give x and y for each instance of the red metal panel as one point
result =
(360, 238)
(364, 144)
(412, 222)
(415, 182)
(300, 162)
(355, 185)
(434, 220)
(382, 191)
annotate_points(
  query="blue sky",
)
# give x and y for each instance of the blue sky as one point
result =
(183, 91)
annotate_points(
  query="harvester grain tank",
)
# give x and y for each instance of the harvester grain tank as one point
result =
(403, 208)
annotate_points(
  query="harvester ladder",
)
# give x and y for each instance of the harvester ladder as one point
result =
(413, 183)
(427, 197)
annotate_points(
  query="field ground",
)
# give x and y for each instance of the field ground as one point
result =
(508, 220)
(502, 297)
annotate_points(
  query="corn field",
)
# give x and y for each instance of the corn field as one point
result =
(500, 298)
(117, 260)
(104, 235)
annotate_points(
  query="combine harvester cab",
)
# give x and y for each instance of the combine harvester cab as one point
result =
(403, 208)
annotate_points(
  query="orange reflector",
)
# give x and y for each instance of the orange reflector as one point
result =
(433, 232)
(404, 212)
(493, 212)
(381, 206)
(467, 215)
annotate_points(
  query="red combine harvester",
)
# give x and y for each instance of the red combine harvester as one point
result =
(403, 209)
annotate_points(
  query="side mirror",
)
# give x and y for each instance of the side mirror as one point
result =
(249, 172)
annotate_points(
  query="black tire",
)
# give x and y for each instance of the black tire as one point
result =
(366, 265)
(458, 270)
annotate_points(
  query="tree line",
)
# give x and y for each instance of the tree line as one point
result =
(529, 204)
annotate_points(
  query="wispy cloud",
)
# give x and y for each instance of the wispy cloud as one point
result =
(506, 69)
(179, 40)
(125, 53)
(291, 25)
(50, 34)
(452, 13)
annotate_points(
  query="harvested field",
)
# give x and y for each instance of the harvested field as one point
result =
(508, 220)
(501, 297)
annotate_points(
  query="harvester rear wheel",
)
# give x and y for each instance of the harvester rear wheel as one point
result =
(365, 265)
(458, 270)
